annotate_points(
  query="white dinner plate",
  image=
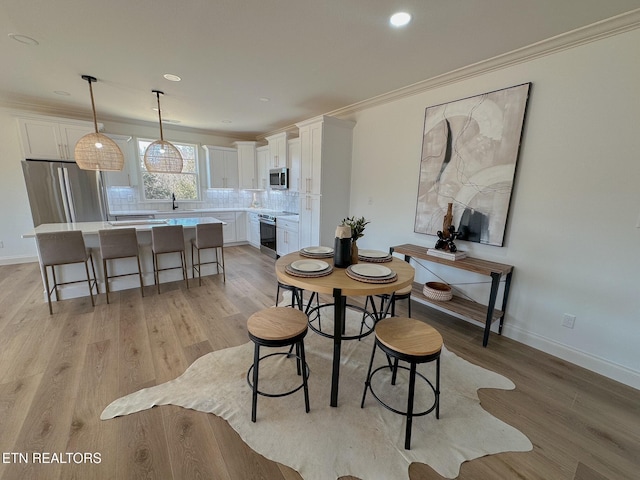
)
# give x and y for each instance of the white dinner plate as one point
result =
(370, 270)
(309, 265)
(318, 250)
(372, 253)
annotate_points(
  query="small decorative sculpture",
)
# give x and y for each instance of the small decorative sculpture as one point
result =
(448, 234)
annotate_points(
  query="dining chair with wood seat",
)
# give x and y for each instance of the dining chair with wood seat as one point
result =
(164, 240)
(208, 236)
(64, 248)
(115, 244)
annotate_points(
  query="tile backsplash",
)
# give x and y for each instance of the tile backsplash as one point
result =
(125, 199)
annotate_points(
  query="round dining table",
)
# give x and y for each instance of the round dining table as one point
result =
(340, 286)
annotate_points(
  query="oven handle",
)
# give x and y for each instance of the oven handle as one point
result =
(268, 222)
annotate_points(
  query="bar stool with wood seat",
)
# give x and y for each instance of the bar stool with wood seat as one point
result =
(168, 239)
(208, 235)
(64, 248)
(408, 340)
(115, 244)
(277, 327)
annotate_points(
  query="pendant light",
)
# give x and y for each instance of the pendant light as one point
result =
(96, 151)
(161, 156)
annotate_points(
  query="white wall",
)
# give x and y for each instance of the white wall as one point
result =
(572, 233)
(15, 214)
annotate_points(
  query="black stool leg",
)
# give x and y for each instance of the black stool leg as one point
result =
(305, 387)
(367, 382)
(254, 399)
(438, 388)
(412, 387)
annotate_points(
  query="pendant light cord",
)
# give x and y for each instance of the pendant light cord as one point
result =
(91, 79)
(159, 115)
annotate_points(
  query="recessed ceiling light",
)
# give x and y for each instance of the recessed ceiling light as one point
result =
(23, 39)
(264, 99)
(400, 19)
(171, 77)
(60, 92)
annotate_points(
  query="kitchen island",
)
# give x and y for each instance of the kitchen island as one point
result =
(127, 265)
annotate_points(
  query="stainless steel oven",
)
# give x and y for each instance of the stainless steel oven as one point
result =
(268, 234)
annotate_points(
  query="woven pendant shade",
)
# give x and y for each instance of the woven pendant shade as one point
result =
(96, 151)
(161, 156)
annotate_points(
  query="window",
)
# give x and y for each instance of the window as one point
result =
(160, 186)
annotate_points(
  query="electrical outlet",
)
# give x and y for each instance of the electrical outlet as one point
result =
(568, 320)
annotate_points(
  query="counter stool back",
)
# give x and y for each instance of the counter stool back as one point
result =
(208, 235)
(64, 248)
(277, 327)
(115, 244)
(407, 340)
(168, 239)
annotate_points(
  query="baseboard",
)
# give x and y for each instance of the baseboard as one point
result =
(18, 259)
(578, 357)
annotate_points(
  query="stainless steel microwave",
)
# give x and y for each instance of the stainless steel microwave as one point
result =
(279, 178)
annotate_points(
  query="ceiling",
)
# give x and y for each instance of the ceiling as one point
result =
(306, 57)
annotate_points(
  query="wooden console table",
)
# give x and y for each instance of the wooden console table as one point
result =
(467, 308)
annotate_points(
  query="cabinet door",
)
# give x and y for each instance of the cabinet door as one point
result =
(241, 227)
(228, 230)
(310, 158)
(293, 241)
(222, 167)
(309, 221)
(254, 232)
(70, 135)
(41, 140)
(294, 165)
(127, 177)
(247, 165)
(278, 150)
(262, 164)
(281, 248)
(231, 176)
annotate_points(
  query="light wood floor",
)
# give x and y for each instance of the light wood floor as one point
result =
(57, 373)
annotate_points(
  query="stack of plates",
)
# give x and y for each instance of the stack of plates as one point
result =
(375, 256)
(317, 252)
(308, 268)
(371, 273)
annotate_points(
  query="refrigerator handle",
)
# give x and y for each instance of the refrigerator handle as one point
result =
(67, 198)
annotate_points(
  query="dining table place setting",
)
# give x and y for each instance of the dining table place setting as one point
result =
(308, 268)
(316, 252)
(373, 256)
(371, 273)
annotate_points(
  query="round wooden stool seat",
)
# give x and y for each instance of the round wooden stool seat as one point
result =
(408, 336)
(412, 341)
(277, 324)
(278, 327)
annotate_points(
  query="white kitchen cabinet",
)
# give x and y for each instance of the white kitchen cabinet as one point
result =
(262, 165)
(287, 237)
(222, 167)
(253, 229)
(228, 230)
(247, 165)
(51, 138)
(278, 148)
(294, 165)
(241, 226)
(325, 170)
(128, 176)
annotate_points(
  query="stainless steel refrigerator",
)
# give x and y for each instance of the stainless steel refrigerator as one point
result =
(60, 192)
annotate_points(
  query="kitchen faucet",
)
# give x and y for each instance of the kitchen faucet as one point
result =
(173, 201)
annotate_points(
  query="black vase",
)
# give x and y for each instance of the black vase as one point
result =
(342, 253)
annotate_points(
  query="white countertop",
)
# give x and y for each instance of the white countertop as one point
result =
(91, 228)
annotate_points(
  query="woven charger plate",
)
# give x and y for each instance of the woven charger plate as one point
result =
(361, 278)
(297, 273)
(375, 260)
(440, 292)
(315, 255)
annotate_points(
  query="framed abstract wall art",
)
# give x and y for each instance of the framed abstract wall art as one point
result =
(469, 154)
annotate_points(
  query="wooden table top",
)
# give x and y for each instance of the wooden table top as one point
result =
(339, 278)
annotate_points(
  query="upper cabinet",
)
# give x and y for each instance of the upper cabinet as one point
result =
(222, 167)
(128, 176)
(278, 147)
(294, 165)
(247, 178)
(51, 138)
(262, 166)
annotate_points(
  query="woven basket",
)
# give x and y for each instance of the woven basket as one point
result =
(440, 292)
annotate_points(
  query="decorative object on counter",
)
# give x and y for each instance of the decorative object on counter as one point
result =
(357, 228)
(448, 234)
(96, 151)
(162, 156)
(255, 203)
(438, 291)
(342, 250)
(457, 255)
